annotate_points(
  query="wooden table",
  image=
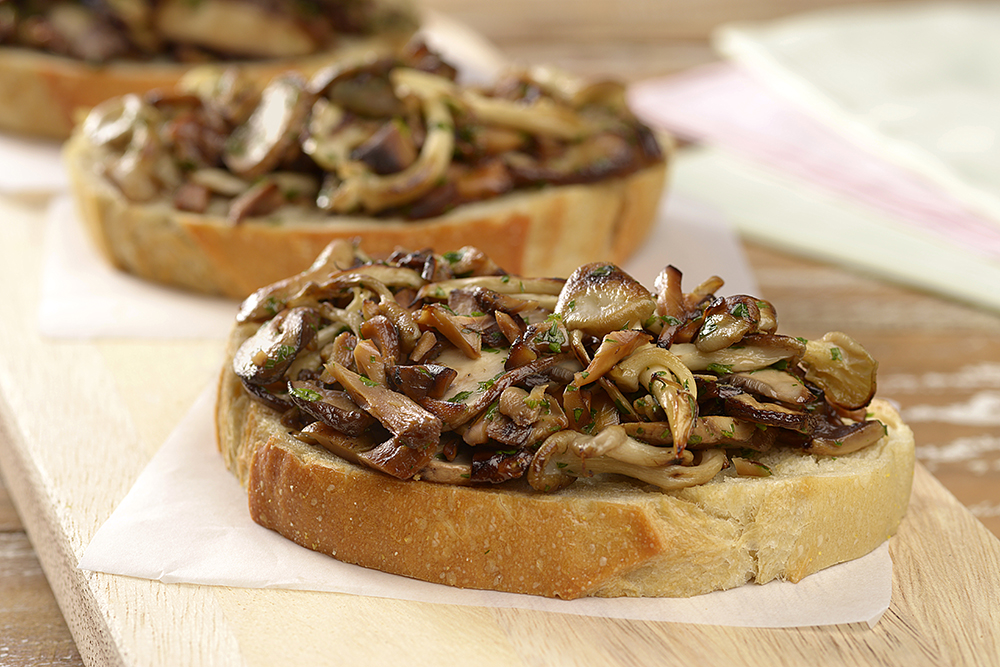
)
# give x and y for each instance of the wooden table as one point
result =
(936, 358)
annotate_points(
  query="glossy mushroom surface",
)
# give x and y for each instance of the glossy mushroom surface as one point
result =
(445, 369)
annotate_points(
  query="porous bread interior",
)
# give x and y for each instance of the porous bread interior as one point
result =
(603, 221)
(596, 537)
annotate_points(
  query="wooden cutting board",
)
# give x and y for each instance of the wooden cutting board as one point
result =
(79, 420)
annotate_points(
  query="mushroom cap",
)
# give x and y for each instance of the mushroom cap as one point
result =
(599, 298)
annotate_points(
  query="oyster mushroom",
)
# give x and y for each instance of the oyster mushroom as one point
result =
(371, 193)
(567, 455)
(726, 321)
(599, 298)
(349, 447)
(664, 376)
(755, 351)
(707, 431)
(772, 383)
(542, 291)
(269, 300)
(265, 356)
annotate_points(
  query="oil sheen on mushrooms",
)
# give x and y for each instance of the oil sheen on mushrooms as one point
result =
(395, 137)
(446, 369)
(194, 31)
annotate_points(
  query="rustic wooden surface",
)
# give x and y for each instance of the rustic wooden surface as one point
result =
(939, 360)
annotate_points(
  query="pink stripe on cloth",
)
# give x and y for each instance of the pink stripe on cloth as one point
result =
(722, 105)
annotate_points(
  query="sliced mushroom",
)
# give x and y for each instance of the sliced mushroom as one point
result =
(499, 466)
(269, 300)
(711, 430)
(389, 150)
(533, 289)
(616, 346)
(420, 381)
(349, 447)
(749, 408)
(726, 321)
(396, 457)
(333, 408)
(265, 356)
(258, 146)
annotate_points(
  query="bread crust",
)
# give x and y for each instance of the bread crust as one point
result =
(603, 221)
(594, 538)
(42, 94)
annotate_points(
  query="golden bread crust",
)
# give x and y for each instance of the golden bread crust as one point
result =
(597, 538)
(604, 221)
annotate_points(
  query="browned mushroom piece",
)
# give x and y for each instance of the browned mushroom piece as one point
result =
(726, 321)
(497, 466)
(333, 408)
(270, 299)
(264, 357)
(421, 381)
(411, 424)
(265, 139)
(389, 150)
(750, 409)
(755, 351)
(839, 439)
(349, 447)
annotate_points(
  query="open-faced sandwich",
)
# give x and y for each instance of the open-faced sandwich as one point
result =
(217, 189)
(435, 417)
(58, 56)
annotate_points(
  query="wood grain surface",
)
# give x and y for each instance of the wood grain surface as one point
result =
(940, 361)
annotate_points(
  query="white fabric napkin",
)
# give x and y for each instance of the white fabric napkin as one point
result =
(801, 181)
(916, 82)
(82, 296)
(186, 521)
(725, 105)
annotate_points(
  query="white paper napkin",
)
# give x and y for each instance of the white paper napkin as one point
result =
(82, 296)
(186, 521)
(30, 167)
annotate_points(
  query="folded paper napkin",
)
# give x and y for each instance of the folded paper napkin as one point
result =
(186, 521)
